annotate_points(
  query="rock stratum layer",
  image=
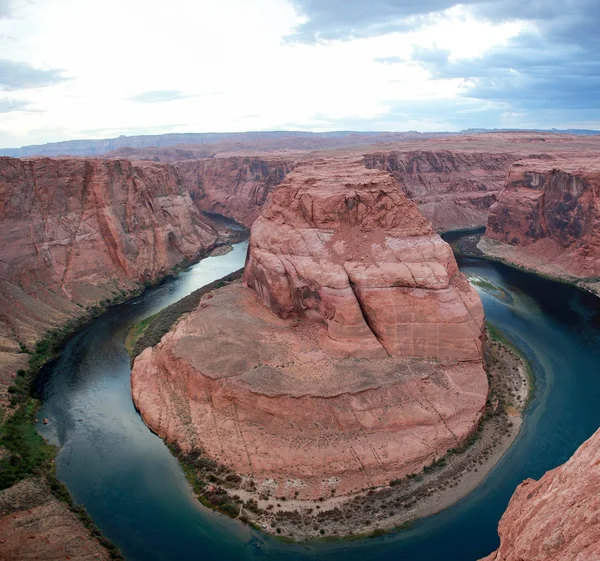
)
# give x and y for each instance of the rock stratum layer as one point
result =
(77, 232)
(558, 517)
(547, 218)
(271, 380)
(236, 187)
(453, 189)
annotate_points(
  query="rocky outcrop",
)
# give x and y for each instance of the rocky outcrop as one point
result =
(236, 187)
(453, 189)
(558, 517)
(36, 525)
(77, 232)
(271, 380)
(547, 218)
(343, 245)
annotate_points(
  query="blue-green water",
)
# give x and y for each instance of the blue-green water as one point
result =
(137, 494)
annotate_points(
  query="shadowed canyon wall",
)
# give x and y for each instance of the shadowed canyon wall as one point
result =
(453, 190)
(236, 187)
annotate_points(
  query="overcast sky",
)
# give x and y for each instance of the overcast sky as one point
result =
(89, 69)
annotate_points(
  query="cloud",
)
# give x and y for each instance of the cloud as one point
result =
(160, 96)
(15, 75)
(553, 64)
(10, 105)
(5, 8)
(390, 59)
(347, 19)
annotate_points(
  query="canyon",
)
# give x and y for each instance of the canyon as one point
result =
(352, 283)
(77, 233)
(354, 351)
(547, 219)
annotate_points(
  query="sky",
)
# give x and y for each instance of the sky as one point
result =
(87, 69)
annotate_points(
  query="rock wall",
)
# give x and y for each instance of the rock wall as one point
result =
(558, 517)
(270, 379)
(236, 187)
(342, 244)
(75, 232)
(453, 189)
(547, 218)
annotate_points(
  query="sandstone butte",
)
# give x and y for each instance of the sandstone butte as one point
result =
(558, 517)
(351, 356)
(547, 218)
(75, 232)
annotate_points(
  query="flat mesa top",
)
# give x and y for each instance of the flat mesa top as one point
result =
(326, 175)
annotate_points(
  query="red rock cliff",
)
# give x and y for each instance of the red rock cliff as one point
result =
(351, 269)
(75, 232)
(341, 243)
(547, 217)
(558, 517)
(236, 187)
(454, 190)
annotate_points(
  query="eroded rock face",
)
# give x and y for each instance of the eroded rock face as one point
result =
(343, 245)
(75, 232)
(558, 517)
(271, 380)
(236, 187)
(549, 213)
(454, 190)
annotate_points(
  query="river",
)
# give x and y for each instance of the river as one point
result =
(137, 494)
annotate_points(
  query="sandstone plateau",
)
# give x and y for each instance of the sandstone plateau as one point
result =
(454, 180)
(353, 356)
(547, 218)
(558, 517)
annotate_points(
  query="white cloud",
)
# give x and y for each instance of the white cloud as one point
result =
(228, 60)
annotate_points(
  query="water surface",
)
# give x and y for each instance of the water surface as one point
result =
(138, 495)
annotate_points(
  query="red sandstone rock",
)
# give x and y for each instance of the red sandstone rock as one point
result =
(34, 525)
(351, 270)
(558, 517)
(549, 213)
(342, 244)
(453, 189)
(75, 232)
(236, 187)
